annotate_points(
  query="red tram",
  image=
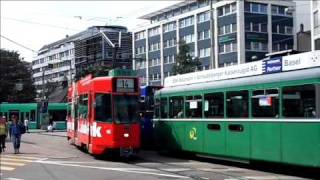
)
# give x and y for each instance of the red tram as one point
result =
(104, 114)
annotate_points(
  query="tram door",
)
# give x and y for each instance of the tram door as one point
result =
(238, 132)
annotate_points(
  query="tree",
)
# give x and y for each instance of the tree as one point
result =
(15, 78)
(185, 63)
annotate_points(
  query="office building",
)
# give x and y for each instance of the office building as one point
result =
(238, 31)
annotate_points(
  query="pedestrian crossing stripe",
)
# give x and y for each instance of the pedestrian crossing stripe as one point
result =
(11, 162)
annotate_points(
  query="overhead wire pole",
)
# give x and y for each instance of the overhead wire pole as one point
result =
(212, 36)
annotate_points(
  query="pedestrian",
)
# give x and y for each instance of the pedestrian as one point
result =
(26, 123)
(3, 133)
(16, 130)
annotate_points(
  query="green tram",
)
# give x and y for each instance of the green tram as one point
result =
(22, 111)
(271, 117)
(56, 112)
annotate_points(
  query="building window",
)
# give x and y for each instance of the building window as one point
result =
(204, 52)
(189, 21)
(257, 46)
(154, 46)
(169, 43)
(288, 30)
(227, 9)
(227, 29)
(228, 47)
(205, 16)
(188, 38)
(204, 35)
(153, 31)
(280, 10)
(140, 35)
(169, 27)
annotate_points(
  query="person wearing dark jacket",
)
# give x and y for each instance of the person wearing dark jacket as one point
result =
(15, 131)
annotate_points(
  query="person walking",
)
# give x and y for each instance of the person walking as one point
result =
(3, 133)
(26, 123)
(16, 130)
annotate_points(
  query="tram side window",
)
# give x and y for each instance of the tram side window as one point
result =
(83, 106)
(237, 104)
(265, 103)
(193, 106)
(214, 105)
(299, 101)
(103, 108)
(164, 108)
(176, 107)
(33, 115)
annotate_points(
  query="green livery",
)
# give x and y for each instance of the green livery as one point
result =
(31, 111)
(271, 117)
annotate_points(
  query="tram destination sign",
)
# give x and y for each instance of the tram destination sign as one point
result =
(125, 85)
(275, 65)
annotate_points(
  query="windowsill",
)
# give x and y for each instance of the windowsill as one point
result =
(204, 56)
(169, 47)
(203, 39)
(186, 26)
(256, 12)
(154, 50)
(284, 15)
(257, 32)
(139, 39)
(282, 34)
(228, 14)
(203, 21)
(223, 53)
(257, 50)
(227, 33)
(169, 31)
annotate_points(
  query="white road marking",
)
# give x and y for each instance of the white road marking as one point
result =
(13, 159)
(12, 163)
(6, 168)
(175, 169)
(13, 179)
(128, 170)
(22, 157)
(271, 177)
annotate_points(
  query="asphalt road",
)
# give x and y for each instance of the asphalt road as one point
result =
(46, 156)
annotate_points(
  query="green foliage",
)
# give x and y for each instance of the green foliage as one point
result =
(185, 63)
(14, 71)
(96, 71)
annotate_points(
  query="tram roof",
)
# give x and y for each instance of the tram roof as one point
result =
(245, 81)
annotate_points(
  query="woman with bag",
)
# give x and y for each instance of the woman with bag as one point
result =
(16, 130)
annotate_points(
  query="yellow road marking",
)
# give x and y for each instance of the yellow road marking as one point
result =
(12, 159)
(5, 168)
(12, 163)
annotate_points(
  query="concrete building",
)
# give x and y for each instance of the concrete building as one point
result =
(315, 24)
(113, 48)
(303, 40)
(242, 31)
(54, 62)
(62, 60)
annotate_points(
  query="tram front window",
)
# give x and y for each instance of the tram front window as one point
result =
(103, 108)
(125, 109)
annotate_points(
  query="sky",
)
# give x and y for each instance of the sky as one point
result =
(36, 23)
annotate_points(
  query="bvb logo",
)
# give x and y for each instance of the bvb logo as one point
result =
(193, 134)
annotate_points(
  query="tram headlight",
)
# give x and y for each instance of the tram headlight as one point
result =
(108, 131)
(126, 135)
